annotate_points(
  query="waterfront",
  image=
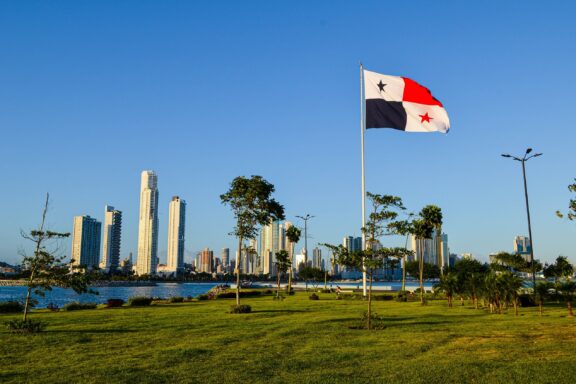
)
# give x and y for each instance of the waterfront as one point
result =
(61, 296)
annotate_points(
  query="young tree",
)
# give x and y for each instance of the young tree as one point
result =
(46, 268)
(542, 291)
(293, 235)
(559, 269)
(282, 265)
(253, 206)
(568, 289)
(311, 274)
(448, 284)
(421, 230)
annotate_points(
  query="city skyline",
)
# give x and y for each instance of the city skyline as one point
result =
(116, 91)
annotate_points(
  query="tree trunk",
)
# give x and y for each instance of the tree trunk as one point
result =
(325, 280)
(278, 287)
(291, 269)
(515, 306)
(421, 265)
(404, 274)
(449, 301)
(541, 307)
(569, 303)
(238, 262)
(370, 303)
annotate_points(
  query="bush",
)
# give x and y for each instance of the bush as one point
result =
(526, 300)
(25, 326)
(232, 294)
(114, 303)
(176, 299)
(76, 306)
(326, 291)
(350, 296)
(139, 301)
(383, 297)
(402, 296)
(240, 309)
(313, 297)
(202, 297)
(268, 292)
(11, 307)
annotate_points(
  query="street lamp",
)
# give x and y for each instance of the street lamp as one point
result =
(523, 160)
(305, 218)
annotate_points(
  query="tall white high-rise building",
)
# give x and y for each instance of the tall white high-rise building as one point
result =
(148, 224)
(434, 251)
(86, 242)
(176, 227)
(112, 238)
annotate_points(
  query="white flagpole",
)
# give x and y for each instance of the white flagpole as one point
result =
(362, 129)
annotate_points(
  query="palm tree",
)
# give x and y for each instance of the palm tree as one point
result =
(282, 265)
(448, 284)
(511, 284)
(568, 289)
(293, 234)
(541, 290)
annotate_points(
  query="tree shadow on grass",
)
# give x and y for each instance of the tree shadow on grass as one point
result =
(84, 331)
(280, 311)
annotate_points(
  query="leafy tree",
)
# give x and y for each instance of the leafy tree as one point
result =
(448, 284)
(571, 214)
(511, 285)
(430, 218)
(293, 234)
(311, 274)
(430, 271)
(559, 269)
(542, 291)
(568, 290)
(282, 265)
(253, 206)
(46, 268)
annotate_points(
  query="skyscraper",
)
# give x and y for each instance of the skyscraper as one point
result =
(433, 253)
(225, 256)
(148, 225)
(522, 246)
(176, 227)
(86, 242)
(317, 258)
(206, 260)
(112, 239)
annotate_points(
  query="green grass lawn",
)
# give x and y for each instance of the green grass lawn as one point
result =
(293, 341)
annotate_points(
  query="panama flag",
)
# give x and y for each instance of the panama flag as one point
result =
(401, 103)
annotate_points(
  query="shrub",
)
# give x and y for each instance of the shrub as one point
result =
(243, 308)
(25, 326)
(268, 292)
(114, 303)
(350, 296)
(176, 299)
(11, 307)
(526, 300)
(202, 297)
(383, 297)
(76, 306)
(326, 291)
(313, 297)
(402, 296)
(139, 301)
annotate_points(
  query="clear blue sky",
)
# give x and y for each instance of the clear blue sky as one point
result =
(92, 93)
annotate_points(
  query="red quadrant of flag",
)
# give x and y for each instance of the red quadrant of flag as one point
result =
(415, 93)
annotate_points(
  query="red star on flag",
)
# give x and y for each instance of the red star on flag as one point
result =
(425, 117)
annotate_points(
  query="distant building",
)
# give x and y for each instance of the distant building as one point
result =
(225, 256)
(112, 239)
(148, 224)
(435, 251)
(206, 260)
(523, 246)
(317, 258)
(351, 243)
(86, 242)
(176, 228)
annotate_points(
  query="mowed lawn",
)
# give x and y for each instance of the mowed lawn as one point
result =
(293, 341)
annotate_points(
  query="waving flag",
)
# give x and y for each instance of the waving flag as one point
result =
(401, 103)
